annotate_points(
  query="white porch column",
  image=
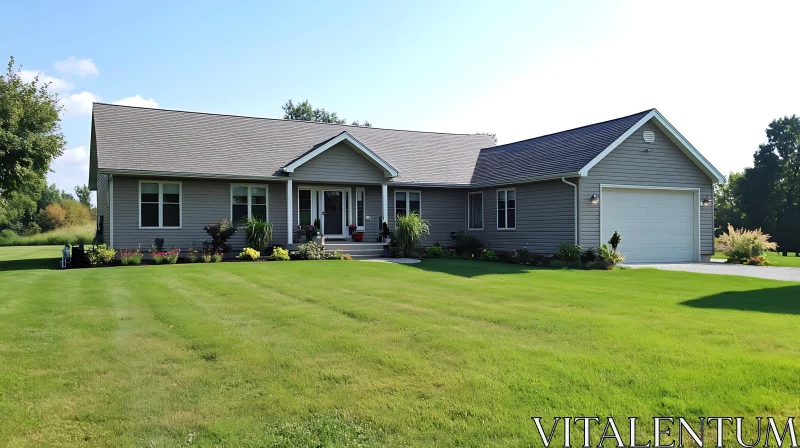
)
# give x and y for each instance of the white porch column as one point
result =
(385, 203)
(289, 213)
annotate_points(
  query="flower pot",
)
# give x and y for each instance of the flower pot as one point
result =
(358, 236)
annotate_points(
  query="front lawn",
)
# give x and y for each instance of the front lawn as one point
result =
(347, 353)
(775, 259)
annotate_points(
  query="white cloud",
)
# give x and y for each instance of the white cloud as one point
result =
(76, 155)
(81, 67)
(137, 101)
(79, 103)
(55, 83)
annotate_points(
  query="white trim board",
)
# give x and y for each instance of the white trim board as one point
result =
(676, 136)
(389, 171)
(697, 211)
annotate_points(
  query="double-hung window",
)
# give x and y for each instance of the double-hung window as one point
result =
(475, 211)
(248, 201)
(406, 202)
(507, 209)
(159, 204)
(360, 208)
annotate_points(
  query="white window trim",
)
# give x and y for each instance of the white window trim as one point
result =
(506, 210)
(394, 201)
(483, 215)
(161, 204)
(249, 200)
(363, 192)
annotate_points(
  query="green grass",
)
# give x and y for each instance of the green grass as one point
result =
(67, 235)
(346, 353)
(775, 259)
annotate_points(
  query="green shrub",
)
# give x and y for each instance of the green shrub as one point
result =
(8, 235)
(337, 255)
(279, 254)
(465, 243)
(131, 258)
(758, 261)
(434, 251)
(258, 233)
(589, 255)
(248, 253)
(614, 241)
(488, 255)
(311, 251)
(411, 228)
(522, 256)
(558, 264)
(206, 257)
(741, 245)
(217, 257)
(450, 253)
(100, 255)
(569, 252)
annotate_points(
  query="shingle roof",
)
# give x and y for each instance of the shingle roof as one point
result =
(550, 155)
(132, 139)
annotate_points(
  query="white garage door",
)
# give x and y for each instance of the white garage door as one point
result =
(655, 225)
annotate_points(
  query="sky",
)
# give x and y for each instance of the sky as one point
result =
(718, 71)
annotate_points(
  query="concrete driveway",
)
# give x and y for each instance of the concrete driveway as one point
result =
(768, 272)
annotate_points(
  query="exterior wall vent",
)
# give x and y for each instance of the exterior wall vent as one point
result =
(649, 136)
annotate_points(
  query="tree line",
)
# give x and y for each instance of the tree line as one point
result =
(767, 195)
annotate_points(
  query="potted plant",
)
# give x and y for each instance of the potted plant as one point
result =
(352, 229)
(358, 237)
(386, 234)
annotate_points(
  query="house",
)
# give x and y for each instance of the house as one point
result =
(165, 174)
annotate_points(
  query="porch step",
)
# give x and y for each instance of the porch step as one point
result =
(356, 250)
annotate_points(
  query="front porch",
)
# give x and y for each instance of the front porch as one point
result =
(356, 250)
(339, 212)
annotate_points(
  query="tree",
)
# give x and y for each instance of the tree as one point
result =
(727, 204)
(84, 195)
(767, 195)
(492, 135)
(51, 194)
(75, 213)
(52, 217)
(30, 135)
(304, 112)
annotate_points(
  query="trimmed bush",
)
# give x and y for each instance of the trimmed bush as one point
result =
(488, 255)
(434, 251)
(311, 251)
(569, 252)
(220, 233)
(248, 253)
(279, 254)
(100, 255)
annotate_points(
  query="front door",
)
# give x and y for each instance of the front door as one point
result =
(333, 219)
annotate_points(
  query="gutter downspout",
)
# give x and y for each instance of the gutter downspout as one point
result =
(110, 210)
(574, 187)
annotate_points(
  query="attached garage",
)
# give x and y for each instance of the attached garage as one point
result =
(657, 224)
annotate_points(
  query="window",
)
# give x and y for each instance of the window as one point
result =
(248, 201)
(159, 204)
(304, 208)
(507, 209)
(360, 208)
(407, 202)
(475, 211)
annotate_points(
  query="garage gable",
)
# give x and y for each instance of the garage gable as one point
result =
(639, 132)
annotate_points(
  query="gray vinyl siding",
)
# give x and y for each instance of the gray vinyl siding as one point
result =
(202, 202)
(630, 164)
(102, 204)
(545, 218)
(443, 208)
(340, 163)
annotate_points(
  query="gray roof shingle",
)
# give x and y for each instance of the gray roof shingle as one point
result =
(133, 139)
(550, 155)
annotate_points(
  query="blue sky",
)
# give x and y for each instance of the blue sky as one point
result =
(719, 72)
